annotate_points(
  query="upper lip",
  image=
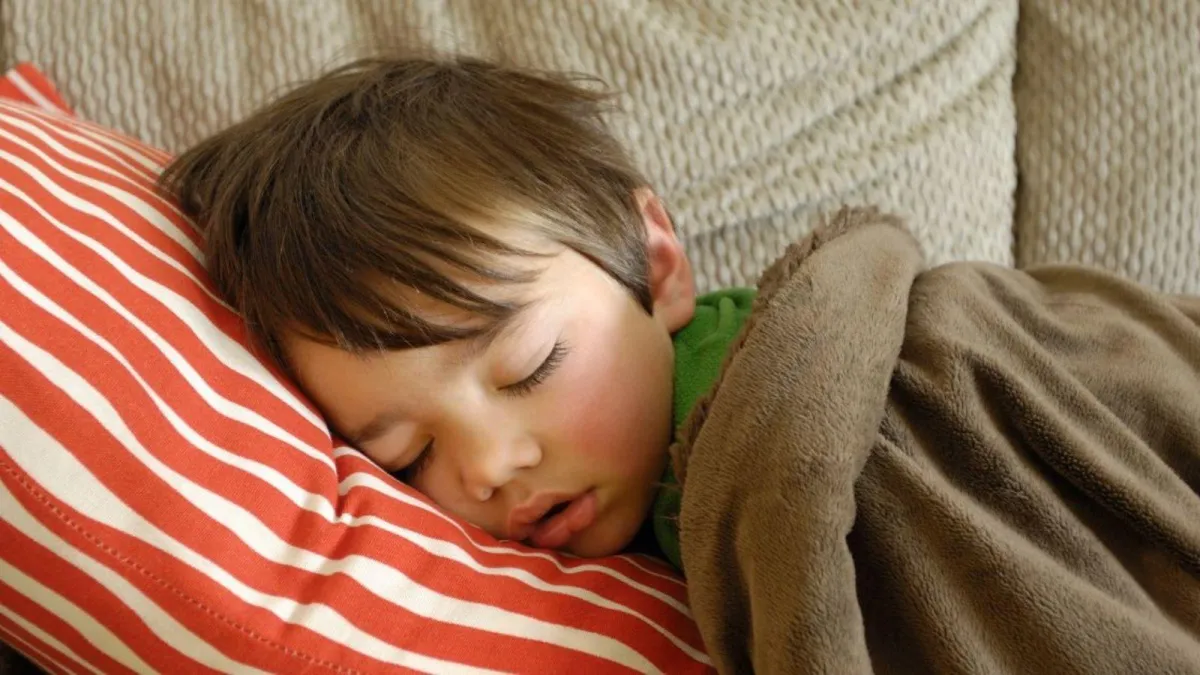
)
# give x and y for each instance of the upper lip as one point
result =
(522, 518)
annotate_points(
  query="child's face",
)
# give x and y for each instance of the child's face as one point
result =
(568, 409)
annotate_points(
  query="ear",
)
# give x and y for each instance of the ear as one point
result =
(672, 288)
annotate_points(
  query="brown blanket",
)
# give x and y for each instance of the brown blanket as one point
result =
(969, 469)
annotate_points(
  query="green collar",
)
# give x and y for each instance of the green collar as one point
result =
(700, 349)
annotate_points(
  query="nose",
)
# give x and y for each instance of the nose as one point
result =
(492, 455)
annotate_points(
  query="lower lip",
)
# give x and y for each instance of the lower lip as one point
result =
(557, 531)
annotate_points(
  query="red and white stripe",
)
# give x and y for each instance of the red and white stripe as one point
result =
(168, 503)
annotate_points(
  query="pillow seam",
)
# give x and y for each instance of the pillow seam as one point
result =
(50, 504)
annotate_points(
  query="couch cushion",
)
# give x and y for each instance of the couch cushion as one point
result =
(168, 503)
(1109, 146)
(749, 117)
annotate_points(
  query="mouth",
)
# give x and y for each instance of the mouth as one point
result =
(549, 521)
(555, 510)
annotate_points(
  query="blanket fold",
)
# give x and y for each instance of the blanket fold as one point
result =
(963, 469)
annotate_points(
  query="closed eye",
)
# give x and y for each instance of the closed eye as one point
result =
(408, 473)
(553, 360)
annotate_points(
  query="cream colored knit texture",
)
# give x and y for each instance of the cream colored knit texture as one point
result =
(750, 117)
(1108, 103)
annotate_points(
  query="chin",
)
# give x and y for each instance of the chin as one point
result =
(605, 538)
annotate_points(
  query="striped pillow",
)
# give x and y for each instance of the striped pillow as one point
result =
(169, 503)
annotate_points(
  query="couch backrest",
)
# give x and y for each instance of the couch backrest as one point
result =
(750, 117)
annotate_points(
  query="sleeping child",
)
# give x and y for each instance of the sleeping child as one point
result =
(861, 465)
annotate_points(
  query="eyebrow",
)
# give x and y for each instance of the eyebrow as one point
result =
(385, 419)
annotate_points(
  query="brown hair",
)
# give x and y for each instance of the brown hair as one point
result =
(382, 175)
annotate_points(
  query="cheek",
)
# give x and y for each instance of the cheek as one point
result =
(616, 409)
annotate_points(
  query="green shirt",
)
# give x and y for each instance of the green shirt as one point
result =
(700, 349)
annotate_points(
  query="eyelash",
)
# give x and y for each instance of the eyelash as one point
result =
(553, 360)
(417, 465)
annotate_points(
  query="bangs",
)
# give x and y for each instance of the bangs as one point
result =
(395, 298)
(369, 316)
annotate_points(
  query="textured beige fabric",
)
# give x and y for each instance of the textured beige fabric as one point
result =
(1108, 103)
(749, 116)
